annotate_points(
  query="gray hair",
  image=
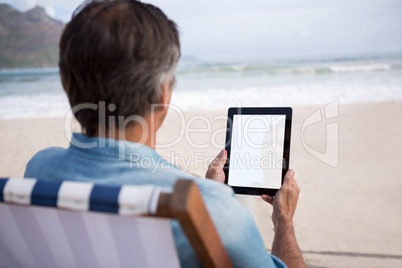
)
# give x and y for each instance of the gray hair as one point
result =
(118, 52)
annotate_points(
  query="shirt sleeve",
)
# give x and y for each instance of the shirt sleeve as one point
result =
(237, 228)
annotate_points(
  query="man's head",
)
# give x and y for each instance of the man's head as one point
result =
(118, 52)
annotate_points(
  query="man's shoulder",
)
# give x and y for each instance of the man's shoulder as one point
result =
(44, 157)
(48, 153)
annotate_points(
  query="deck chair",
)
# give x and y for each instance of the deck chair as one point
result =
(80, 224)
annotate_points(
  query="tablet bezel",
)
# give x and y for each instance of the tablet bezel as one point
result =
(287, 111)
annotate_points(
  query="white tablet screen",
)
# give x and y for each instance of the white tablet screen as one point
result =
(256, 151)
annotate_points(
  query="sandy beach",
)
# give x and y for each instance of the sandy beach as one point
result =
(348, 216)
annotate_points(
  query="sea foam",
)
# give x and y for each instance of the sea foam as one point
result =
(37, 93)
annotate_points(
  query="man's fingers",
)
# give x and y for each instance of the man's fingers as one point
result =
(215, 169)
(268, 199)
(289, 182)
(289, 177)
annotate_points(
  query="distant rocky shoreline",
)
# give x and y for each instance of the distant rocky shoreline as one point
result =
(28, 39)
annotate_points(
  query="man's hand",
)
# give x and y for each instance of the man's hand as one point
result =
(215, 169)
(285, 200)
(285, 246)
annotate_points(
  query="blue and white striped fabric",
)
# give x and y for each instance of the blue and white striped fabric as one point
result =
(81, 196)
(51, 224)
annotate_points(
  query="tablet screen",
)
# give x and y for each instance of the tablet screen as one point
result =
(256, 150)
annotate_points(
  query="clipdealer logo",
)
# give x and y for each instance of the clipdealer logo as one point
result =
(331, 154)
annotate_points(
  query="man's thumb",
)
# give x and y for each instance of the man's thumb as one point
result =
(222, 158)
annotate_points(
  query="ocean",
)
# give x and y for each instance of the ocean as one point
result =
(208, 85)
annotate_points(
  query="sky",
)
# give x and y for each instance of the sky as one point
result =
(253, 29)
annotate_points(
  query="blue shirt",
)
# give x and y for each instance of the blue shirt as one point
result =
(107, 161)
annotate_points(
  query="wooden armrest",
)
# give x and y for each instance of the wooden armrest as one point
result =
(186, 205)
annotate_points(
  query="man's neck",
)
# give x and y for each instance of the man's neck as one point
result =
(144, 132)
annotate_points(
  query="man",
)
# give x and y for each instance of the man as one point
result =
(117, 66)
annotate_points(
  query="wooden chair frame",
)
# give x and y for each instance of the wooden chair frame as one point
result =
(186, 205)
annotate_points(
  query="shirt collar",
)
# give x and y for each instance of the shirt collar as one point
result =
(123, 150)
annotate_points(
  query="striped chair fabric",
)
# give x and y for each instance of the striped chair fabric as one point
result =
(93, 225)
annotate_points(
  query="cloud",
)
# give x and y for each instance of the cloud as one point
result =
(50, 11)
(305, 33)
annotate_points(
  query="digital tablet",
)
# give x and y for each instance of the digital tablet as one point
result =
(257, 145)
